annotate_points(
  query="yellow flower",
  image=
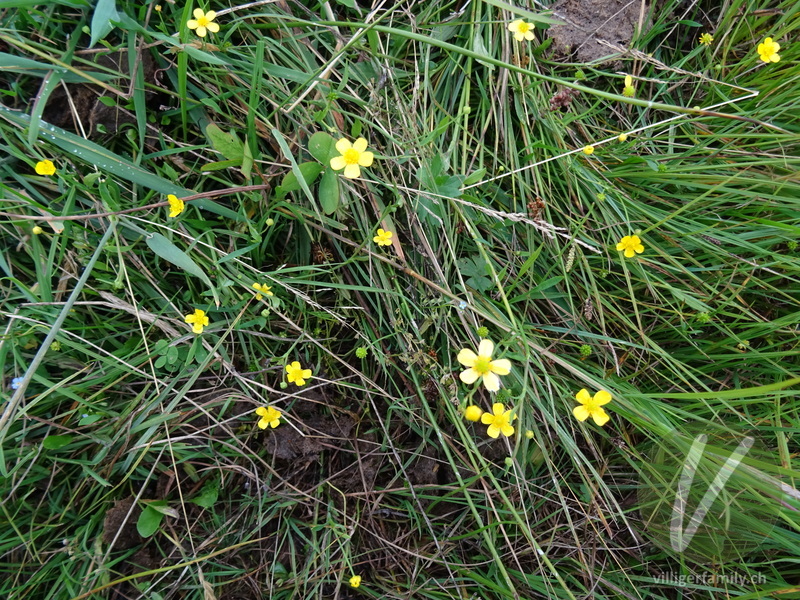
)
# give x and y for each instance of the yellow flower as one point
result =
(384, 238)
(587, 150)
(521, 30)
(473, 413)
(263, 288)
(176, 205)
(482, 365)
(37, 230)
(198, 320)
(529, 434)
(499, 421)
(355, 581)
(158, 8)
(628, 91)
(269, 417)
(592, 407)
(352, 157)
(202, 22)
(297, 374)
(706, 39)
(768, 50)
(631, 244)
(622, 137)
(45, 167)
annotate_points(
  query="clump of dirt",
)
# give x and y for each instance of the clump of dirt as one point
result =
(591, 25)
(119, 525)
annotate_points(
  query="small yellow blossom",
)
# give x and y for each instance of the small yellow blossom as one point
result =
(270, 417)
(706, 39)
(592, 406)
(499, 421)
(768, 50)
(622, 137)
(631, 245)
(262, 288)
(384, 238)
(587, 150)
(521, 30)
(352, 157)
(37, 230)
(176, 205)
(297, 374)
(355, 581)
(473, 413)
(482, 365)
(529, 434)
(202, 22)
(45, 167)
(198, 320)
(628, 91)
(158, 8)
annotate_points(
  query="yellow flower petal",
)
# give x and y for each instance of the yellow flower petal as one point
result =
(602, 397)
(581, 413)
(583, 396)
(491, 381)
(493, 431)
(360, 144)
(213, 27)
(498, 409)
(507, 430)
(485, 348)
(600, 416)
(467, 357)
(198, 13)
(352, 172)
(343, 145)
(469, 376)
(338, 163)
(366, 158)
(501, 366)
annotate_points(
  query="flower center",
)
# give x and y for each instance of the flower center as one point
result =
(481, 365)
(351, 156)
(524, 27)
(203, 22)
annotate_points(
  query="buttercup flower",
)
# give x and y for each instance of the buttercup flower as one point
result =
(499, 421)
(482, 365)
(631, 245)
(352, 157)
(592, 406)
(768, 50)
(45, 167)
(384, 238)
(16, 383)
(262, 288)
(355, 581)
(202, 22)
(297, 374)
(706, 39)
(622, 137)
(37, 230)
(521, 30)
(628, 91)
(198, 320)
(269, 417)
(587, 150)
(473, 413)
(176, 205)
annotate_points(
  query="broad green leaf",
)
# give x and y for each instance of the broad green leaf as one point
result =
(171, 253)
(309, 170)
(474, 177)
(219, 166)
(329, 192)
(227, 144)
(322, 147)
(105, 11)
(54, 442)
(207, 497)
(149, 521)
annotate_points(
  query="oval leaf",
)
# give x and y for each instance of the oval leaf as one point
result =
(148, 522)
(329, 192)
(322, 147)
(54, 442)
